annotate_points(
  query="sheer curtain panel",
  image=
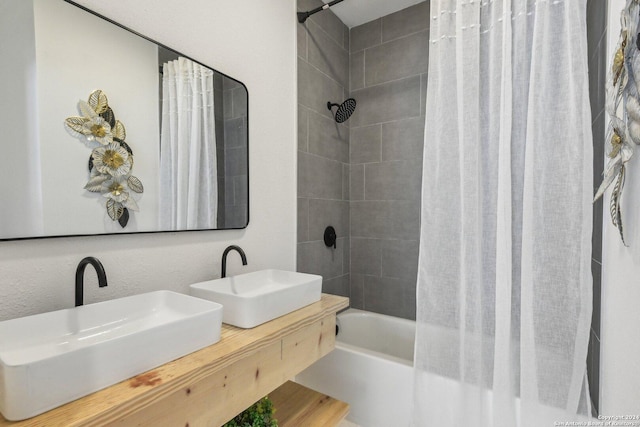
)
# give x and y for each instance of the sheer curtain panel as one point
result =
(188, 169)
(504, 282)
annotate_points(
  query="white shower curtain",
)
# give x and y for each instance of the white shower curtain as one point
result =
(188, 169)
(504, 282)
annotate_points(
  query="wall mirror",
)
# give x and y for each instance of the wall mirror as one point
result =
(82, 97)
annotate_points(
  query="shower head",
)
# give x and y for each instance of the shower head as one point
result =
(344, 111)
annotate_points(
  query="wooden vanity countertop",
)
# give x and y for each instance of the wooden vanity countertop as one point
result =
(211, 385)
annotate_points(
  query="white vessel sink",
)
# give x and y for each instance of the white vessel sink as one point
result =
(50, 359)
(254, 298)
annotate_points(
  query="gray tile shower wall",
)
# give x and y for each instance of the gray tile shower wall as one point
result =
(388, 69)
(364, 176)
(323, 148)
(235, 176)
(597, 50)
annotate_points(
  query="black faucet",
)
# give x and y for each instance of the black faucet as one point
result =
(224, 258)
(102, 277)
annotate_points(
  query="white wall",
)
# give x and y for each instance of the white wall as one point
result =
(251, 41)
(620, 329)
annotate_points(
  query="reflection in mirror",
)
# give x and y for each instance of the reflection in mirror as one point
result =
(186, 123)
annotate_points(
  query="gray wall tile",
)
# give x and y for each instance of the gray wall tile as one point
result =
(596, 270)
(236, 216)
(306, 5)
(369, 219)
(346, 181)
(239, 102)
(303, 128)
(240, 188)
(235, 133)
(356, 70)
(410, 20)
(365, 144)
(217, 81)
(323, 213)
(229, 194)
(337, 286)
(356, 295)
(596, 10)
(218, 100)
(328, 138)
(403, 139)
(366, 35)
(319, 177)
(302, 42)
(398, 180)
(229, 84)
(315, 89)
(327, 55)
(393, 297)
(366, 256)
(356, 182)
(346, 262)
(404, 220)
(227, 101)
(327, 20)
(316, 258)
(396, 59)
(303, 219)
(386, 102)
(346, 39)
(400, 259)
(236, 161)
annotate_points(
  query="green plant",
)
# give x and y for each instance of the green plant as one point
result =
(260, 414)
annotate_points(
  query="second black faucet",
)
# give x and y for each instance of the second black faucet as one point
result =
(224, 258)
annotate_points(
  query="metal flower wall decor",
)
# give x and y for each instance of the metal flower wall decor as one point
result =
(111, 160)
(623, 108)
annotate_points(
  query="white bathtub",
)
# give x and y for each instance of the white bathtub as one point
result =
(371, 368)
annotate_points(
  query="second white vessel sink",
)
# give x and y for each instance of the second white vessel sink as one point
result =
(254, 298)
(50, 359)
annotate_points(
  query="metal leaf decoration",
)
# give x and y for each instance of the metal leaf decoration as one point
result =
(135, 184)
(109, 117)
(98, 101)
(131, 204)
(95, 183)
(124, 219)
(114, 209)
(126, 147)
(75, 123)
(623, 108)
(86, 110)
(118, 131)
(614, 205)
(92, 126)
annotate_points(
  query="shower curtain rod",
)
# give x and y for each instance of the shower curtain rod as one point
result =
(302, 16)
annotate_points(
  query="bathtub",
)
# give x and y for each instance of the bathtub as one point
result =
(371, 368)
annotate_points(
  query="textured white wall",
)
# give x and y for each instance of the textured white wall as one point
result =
(251, 41)
(620, 329)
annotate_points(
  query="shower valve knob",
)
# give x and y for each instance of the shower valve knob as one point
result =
(330, 237)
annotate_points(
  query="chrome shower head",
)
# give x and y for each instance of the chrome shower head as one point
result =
(344, 111)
